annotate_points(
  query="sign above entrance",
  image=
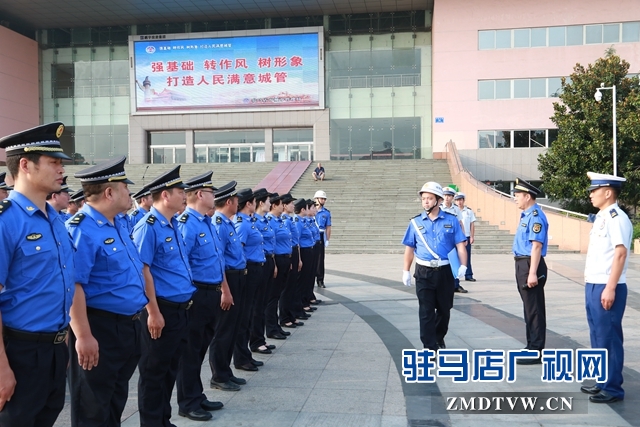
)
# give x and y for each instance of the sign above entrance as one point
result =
(206, 71)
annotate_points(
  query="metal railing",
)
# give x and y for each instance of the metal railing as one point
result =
(393, 80)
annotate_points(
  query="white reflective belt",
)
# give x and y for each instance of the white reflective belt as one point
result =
(424, 242)
(434, 263)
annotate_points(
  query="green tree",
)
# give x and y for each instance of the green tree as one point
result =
(585, 134)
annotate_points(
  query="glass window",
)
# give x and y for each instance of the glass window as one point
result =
(537, 138)
(521, 37)
(503, 39)
(229, 137)
(167, 138)
(552, 136)
(611, 33)
(521, 139)
(181, 155)
(503, 138)
(557, 36)
(486, 40)
(631, 31)
(593, 34)
(521, 88)
(293, 135)
(486, 139)
(555, 86)
(503, 89)
(574, 35)
(538, 37)
(538, 88)
(486, 89)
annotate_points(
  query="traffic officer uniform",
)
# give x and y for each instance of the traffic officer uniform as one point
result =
(307, 243)
(136, 215)
(253, 245)
(287, 306)
(434, 278)
(207, 267)
(611, 228)
(467, 217)
(317, 248)
(37, 288)
(263, 289)
(65, 188)
(533, 227)
(163, 249)
(221, 349)
(283, 263)
(323, 218)
(109, 270)
(453, 209)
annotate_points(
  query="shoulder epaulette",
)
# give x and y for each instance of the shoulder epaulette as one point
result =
(184, 217)
(450, 213)
(614, 213)
(296, 219)
(254, 219)
(535, 212)
(6, 204)
(416, 216)
(77, 218)
(218, 220)
(238, 218)
(151, 219)
(135, 213)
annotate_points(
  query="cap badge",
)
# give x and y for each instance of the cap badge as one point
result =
(59, 131)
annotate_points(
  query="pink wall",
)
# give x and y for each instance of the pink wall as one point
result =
(19, 87)
(458, 64)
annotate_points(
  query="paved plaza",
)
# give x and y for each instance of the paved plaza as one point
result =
(342, 367)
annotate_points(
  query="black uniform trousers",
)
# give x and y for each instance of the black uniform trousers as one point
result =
(224, 338)
(306, 276)
(158, 365)
(318, 248)
(40, 369)
(434, 288)
(203, 316)
(263, 289)
(255, 277)
(535, 315)
(283, 262)
(287, 298)
(99, 395)
(320, 266)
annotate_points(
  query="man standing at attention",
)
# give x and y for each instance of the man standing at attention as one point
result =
(323, 218)
(605, 277)
(430, 237)
(529, 249)
(36, 282)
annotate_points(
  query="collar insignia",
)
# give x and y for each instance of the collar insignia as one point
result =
(31, 208)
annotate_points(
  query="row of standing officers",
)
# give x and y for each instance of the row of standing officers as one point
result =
(234, 269)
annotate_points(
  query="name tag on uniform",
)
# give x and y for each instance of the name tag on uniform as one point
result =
(524, 224)
(448, 226)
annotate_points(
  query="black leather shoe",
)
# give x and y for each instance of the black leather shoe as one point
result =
(271, 346)
(603, 397)
(247, 367)
(470, 279)
(535, 361)
(239, 381)
(321, 285)
(285, 333)
(310, 310)
(228, 386)
(196, 415)
(461, 290)
(288, 325)
(277, 337)
(305, 317)
(590, 389)
(298, 323)
(316, 302)
(265, 351)
(257, 363)
(441, 344)
(208, 405)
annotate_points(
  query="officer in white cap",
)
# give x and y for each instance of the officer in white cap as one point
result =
(605, 277)
(429, 238)
(448, 206)
(468, 223)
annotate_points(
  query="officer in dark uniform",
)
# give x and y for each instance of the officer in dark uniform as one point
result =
(307, 242)
(59, 200)
(76, 201)
(109, 297)
(169, 287)
(4, 188)
(287, 307)
(145, 201)
(529, 249)
(235, 262)
(211, 300)
(253, 245)
(36, 282)
(429, 238)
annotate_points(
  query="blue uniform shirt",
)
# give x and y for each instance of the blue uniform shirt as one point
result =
(313, 226)
(162, 248)
(323, 218)
(36, 267)
(107, 263)
(234, 258)
(250, 236)
(442, 234)
(533, 227)
(269, 236)
(205, 258)
(137, 215)
(283, 235)
(64, 216)
(295, 236)
(304, 230)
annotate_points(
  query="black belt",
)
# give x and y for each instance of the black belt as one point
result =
(45, 337)
(208, 286)
(283, 255)
(434, 268)
(242, 272)
(518, 258)
(177, 305)
(110, 315)
(259, 264)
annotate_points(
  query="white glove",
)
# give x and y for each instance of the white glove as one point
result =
(326, 243)
(462, 271)
(406, 278)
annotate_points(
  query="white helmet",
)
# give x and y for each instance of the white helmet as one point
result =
(433, 188)
(320, 195)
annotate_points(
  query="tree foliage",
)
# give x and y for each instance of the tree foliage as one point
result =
(585, 134)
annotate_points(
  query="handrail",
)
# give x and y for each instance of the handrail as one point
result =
(553, 208)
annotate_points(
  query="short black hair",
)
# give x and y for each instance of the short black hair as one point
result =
(13, 162)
